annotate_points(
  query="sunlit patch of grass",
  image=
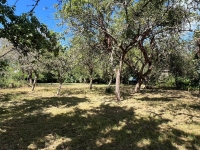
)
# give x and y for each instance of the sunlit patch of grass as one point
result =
(56, 111)
(144, 143)
(102, 141)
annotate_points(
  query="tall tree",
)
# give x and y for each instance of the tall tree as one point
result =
(122, 25)
(197, 61)
(89, 52)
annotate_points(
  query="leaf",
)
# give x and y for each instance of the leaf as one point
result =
(3, 1)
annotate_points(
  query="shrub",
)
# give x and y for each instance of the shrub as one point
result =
(109, 90)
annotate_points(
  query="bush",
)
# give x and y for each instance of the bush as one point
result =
(109, 90)
(182, 83)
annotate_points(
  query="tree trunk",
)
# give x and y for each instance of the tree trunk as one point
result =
(59, 88)
(111, 63)
(117, 86)
(110, 82)
(138, 85)
(23, 74)
(91, 82)
(199, 85)
(34, 82)
(118, 75)
(84, 80)
(30, 77)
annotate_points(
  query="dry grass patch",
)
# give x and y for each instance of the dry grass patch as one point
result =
(80, 118)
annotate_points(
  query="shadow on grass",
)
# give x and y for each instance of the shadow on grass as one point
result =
(26, 107)
(165, 99)
(196, 95)
(196, 107)
(8, 97)
(104, 127)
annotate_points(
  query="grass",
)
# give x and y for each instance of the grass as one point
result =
(82, 119)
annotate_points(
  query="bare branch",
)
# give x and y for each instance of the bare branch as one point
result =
(7, 53)
(36, 3)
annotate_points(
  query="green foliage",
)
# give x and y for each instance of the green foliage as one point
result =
(3, 66)
(25, 32)
(70, 79)
(175, 16)
(47, 77)
(13, 76)
(182, 83)
(170, 82)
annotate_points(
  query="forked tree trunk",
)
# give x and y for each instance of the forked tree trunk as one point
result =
(59, 88)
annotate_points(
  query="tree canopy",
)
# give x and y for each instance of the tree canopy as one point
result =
(125, 25)
(26, 32)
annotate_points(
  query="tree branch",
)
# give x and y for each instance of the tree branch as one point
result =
(36, 3)
(7, 53)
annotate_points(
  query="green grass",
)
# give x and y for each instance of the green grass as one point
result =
(85, 119)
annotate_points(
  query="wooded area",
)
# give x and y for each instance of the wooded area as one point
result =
(117, 40)
(138, 45)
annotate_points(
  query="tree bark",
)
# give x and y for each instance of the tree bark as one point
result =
(34, 82)
(91, 82)
(110, 82)
(59, 88)
(30, 77)
(118, 75)
(23, 74)
(117, 85)
(138, 85)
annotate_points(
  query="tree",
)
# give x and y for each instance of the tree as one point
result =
(59, 65)
(25, 32)
(89, 54)
(28, 36)
(123, 25)
(32, 64)
(8, 61)
(197, 61)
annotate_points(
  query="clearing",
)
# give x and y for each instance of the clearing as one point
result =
(155, 119)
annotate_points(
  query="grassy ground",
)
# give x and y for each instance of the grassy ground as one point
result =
(82, 119)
